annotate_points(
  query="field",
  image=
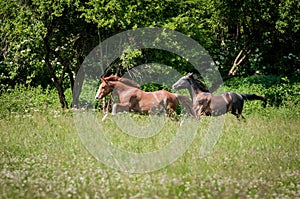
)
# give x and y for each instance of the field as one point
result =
(42, 155)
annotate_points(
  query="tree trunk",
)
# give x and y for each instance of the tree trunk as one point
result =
(61, 96)
(58, 84)
(77, 86)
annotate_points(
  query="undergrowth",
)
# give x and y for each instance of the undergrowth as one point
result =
(279, 92)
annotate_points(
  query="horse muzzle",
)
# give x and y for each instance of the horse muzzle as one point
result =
(175, 87)
(98, 97)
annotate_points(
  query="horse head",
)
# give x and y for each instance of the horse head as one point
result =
(104, 89)
(183, 82)
(189, 80)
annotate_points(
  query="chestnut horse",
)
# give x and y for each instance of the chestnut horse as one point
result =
(132, 98)
(106, 105)
(205, 103)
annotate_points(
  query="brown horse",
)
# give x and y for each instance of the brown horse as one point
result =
(132, 98)
(106, 104)
(205, 103)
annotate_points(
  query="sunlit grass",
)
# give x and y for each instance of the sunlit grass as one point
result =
(42, 156)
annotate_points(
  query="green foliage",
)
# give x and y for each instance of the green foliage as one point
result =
(289, 13)
(278, 91)
(87, 96)
(264, 32)
(23, 101)
(151, 87)
(21, 37)
(44, 42)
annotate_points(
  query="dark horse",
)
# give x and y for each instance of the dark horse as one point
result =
(205, 103)
(132, 98)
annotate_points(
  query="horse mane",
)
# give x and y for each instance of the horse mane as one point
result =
(198, 84)
(124, 80)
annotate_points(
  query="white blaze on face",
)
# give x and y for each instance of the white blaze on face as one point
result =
(98, 92)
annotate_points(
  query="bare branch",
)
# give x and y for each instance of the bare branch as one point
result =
(238, 60)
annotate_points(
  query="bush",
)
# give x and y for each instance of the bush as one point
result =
(279, 91)
(25, 100)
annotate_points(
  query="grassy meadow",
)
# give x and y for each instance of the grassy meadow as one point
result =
(42, 156)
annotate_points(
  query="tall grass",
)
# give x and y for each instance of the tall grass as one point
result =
(42, 157)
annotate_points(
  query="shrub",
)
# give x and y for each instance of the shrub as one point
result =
(279, 91)
(24, 100)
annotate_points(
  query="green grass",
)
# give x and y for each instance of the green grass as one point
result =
(42, 157)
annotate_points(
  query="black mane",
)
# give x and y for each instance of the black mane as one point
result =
(198, 84)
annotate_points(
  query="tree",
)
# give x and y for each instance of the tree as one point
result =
(255, 36)
(45, 43)
(188, 17)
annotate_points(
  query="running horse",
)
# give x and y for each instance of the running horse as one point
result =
(132, 99)
(205, 103)
(106, 105)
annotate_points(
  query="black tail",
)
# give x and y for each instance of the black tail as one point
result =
(253, 97)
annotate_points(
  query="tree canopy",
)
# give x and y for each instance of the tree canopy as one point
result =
(45, 42)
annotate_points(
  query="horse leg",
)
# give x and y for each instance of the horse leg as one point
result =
(237, 111)
(171, 110)
(240, 110)
(118, 107)
(205, 107)
(234, 112)
(240, 114)
(103, 105)
(114, 109)
(157, 110)
(199, 111)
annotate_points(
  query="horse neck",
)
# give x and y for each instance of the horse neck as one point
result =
(129, 82)
(119, 88)
(194, 91)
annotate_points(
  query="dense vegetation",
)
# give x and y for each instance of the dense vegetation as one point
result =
(255, 45)
(43, 43)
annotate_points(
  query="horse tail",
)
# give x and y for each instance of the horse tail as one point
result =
(187, 103)
(253, 97)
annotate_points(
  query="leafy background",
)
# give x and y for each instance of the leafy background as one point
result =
(43, 43)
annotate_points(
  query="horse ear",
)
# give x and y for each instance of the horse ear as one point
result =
(103, 80)
(192, 75)
(195, 76)
(189, 75)
(107, 82)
